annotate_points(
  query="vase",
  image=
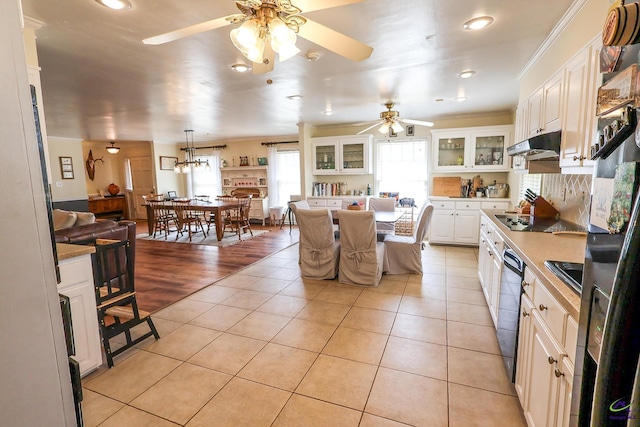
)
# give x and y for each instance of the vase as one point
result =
(113, 189)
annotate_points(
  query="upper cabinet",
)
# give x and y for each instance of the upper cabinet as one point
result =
(471, 149)
(342, 155)
(567, 102)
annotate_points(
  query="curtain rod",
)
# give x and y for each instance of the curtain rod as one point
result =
(281, 142)
(215, 147)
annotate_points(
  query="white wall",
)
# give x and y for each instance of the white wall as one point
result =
(35, 386)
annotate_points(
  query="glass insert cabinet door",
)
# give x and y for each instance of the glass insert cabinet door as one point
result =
(451, 151)
(353, 155)
(489, 150)
(325, 157)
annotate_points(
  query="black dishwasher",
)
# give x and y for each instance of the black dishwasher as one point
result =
(509, 308)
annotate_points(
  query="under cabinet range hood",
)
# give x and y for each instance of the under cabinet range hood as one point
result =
(540, 147)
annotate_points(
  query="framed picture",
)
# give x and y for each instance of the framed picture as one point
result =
(392, 133)
(410, 129)
(172, 194)
(167, 163)
(66, 167)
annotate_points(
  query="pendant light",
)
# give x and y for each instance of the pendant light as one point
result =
(112, 149)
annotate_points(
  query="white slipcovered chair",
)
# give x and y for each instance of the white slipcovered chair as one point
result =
(383, 205)
(403, 253)
(319, 251)
(361, 256)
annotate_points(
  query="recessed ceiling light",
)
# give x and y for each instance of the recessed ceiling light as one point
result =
(116, 4)
(478, 23)
(294, 97)
(327, 112)
(466, 74)
(461, 98)
(439, 99)
(241, 68)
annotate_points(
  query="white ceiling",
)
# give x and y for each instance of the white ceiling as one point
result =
(101, 83)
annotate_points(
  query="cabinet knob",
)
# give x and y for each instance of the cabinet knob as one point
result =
(524, 313)
(451, 214)
(551, 360)
(495, 243)
(543, 307)
(557, 373)
(580, 158)
(525, 284)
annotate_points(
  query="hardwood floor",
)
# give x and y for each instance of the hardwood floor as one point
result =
(166, 272)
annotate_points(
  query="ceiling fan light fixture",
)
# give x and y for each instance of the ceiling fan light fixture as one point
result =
(115, 4)
(112, 149)
(478, 23)
(466, 74)
(397, 127)
(384, 128)
(461, 98)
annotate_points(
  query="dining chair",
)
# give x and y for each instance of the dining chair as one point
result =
(164, 217)
(237, 218)
(186, 218)
(319, 250)
(361, 255)
(116, 304)
(403, 254)
(380, 204)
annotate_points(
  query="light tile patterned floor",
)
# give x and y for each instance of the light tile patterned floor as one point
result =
(265, 348)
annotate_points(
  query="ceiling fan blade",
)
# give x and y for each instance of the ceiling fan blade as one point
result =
(416, 122)
(311, 5)
(187, 31)
(334, 41)
(262, 68)
(370, 127)
(366, 123)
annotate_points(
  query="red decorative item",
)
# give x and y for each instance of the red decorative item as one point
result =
(113, 189)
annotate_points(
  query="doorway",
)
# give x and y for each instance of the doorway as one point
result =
(142, 180)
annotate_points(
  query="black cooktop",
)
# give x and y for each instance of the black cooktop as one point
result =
(569, 272)
(543, 225)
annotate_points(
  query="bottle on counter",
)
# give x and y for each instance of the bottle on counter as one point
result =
(368, 189)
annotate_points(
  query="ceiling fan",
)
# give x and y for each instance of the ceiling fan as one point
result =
(391, 120)
(270, 26)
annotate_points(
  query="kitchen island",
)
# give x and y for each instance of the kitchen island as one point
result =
(547, 331)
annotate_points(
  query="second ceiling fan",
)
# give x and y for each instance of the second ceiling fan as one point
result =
(391, 121)
(270, 26)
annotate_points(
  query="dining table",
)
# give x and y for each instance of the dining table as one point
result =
(215, 208)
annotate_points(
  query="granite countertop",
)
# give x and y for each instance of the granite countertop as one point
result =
(67, 250)
(535, 248)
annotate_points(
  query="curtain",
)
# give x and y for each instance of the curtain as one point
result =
(272, 176)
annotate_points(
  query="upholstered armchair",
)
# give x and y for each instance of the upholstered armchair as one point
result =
(319, 251)
(361, 256)
(403, 253)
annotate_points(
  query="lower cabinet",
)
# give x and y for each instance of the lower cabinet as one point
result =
(544, 373)
(259, 209)
(76, 276)
(457, 221)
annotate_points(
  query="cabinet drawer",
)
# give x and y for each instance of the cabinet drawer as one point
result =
(551, 311)
(529, 284)
(468, 205)
(321, 203)
(256, 213)
(496, 240)
(495, 205)
(441, 204)
(334, 203)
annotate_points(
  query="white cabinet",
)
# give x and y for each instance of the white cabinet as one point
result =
(244, 177)
(455, 222)
(342, 155)
(583, 78)
(76, 276)
(471, 149)
(545, 106)
(490, 266)
(259, 209)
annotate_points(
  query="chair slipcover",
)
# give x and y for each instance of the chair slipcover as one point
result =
(383, 205)
(361, 256)
(403, 253)
(319, 252)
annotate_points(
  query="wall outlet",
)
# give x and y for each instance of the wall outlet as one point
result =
(58, 184)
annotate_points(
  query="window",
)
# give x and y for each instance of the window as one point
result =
(287, 176)
(206, 181)
(532, 181)
(401, 166)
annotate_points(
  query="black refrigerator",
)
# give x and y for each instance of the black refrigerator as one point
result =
(606, 384)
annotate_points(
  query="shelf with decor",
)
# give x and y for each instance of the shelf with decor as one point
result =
(342, 155)
(253, 180)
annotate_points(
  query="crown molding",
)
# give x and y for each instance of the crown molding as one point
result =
(566, 19)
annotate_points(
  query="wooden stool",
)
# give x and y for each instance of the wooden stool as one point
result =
(276, 215)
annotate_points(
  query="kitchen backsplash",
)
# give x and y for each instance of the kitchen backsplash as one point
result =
(570, 194)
